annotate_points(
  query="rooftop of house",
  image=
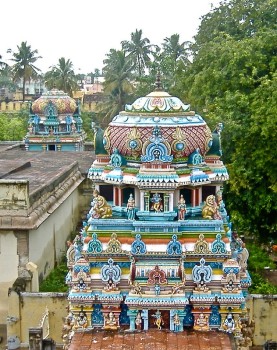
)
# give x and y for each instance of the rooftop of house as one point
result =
(39, 167)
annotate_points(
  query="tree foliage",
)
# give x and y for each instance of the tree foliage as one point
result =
(24, 67)
(62, 77)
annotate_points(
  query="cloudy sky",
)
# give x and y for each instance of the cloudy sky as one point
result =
(85, 30)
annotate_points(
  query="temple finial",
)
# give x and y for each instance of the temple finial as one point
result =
(158, 82)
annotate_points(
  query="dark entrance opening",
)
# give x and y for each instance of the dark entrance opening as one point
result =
(51, 148)
(107, 192)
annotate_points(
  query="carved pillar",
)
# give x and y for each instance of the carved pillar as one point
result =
(144, 316)
(166, 202)
(115, 195)
(132, 315)
(193, 197)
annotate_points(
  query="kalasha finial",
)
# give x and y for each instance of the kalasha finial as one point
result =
(158, 82)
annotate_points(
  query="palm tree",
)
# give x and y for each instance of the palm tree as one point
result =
(175, 49)
(24, 64)
(62, 77)
(139, 50)
(117, 85)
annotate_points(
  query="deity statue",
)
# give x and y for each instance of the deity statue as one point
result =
(181, 208)
(110, 321)
(176, 322)
(210, 210)
(81, 321)
(100, 207)
(202, 322)
(131, 208)
(157, 289)
(156, 201)
(229, 324)
(158, 319)
(138, 321)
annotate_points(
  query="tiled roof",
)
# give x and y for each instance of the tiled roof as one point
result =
(152, 339)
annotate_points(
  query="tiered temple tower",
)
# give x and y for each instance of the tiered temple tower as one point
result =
(55, 124)
(157, 250)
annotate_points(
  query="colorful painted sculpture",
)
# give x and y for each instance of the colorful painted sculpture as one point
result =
(172, 263)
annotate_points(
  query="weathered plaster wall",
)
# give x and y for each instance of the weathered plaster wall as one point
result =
(30, 313)
(47, 244)
(263, 310)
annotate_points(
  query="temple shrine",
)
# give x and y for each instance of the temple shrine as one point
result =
(157, 250)
(55, 124)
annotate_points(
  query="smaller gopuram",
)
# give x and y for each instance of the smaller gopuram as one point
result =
(55, 124)
(157, 250)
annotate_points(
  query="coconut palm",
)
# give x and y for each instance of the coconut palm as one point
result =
(175, 49)
(62, 77)
(139, 50)
(118, 84)
(24, 64)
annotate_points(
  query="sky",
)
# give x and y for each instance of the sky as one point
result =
(84, 31)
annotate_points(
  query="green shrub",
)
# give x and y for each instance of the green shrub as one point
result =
(55, 281)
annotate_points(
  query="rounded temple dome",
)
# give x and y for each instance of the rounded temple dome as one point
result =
(64, 103)
(184, 130)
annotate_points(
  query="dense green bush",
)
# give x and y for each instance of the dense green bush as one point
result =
(55, 281)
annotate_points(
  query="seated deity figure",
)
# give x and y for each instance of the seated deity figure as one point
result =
(110, 321)
(210, 210)
(156, 201)
(101, 209)
(229, 324)
(131, 208)
(202, 323)
(181, 208)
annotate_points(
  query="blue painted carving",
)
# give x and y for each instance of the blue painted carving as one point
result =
(188, 318)
(156, 150)
(202, 273)
(214, 265)
(97, 315)
(110, 272)
(195, 158)
(117, 160)
(94, 245)
(101, 264)
(215, 318)
(218, 246)
(138, 246)
(81, 268)
(123, 317)
(174, 247)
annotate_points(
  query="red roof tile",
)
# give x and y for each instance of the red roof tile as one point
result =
(152, 339)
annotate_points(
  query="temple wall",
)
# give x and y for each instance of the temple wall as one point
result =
(43, 247)
(47, 244)
(31, 311)
(263, 309)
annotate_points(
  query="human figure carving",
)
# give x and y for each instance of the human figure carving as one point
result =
(181, 208)
(131, 208)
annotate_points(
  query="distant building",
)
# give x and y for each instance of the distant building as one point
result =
(55, 124)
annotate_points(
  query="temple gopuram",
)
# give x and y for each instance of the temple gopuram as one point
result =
(55, 124)
(157, 250)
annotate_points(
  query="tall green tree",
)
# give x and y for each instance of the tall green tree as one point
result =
(62, 77)
(230, 80)
(24, 67)
(139, 50)
(118, 85)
